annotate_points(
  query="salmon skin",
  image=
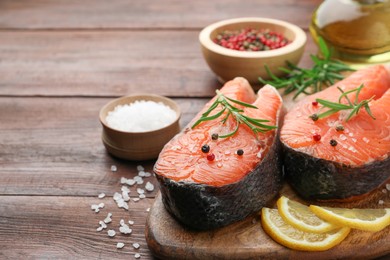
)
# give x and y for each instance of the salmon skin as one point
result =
(205, 194)
(359, 162)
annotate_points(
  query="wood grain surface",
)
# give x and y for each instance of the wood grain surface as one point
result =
(247, 240)
(60, 62)
(54, 227)
(57, 149)
(102, 64)
(102, 14)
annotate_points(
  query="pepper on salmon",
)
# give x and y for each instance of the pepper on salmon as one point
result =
(207, 181)
(341, 155)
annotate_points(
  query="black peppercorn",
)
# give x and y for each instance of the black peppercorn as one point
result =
(205, 148)
(214, 136)
(240, 152)
(314, 117)
(333, 142)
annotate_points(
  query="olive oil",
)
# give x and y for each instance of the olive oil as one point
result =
(358, 31)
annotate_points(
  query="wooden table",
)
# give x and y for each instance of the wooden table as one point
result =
(60, 62)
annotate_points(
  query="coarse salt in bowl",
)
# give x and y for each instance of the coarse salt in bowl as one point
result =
(137, 127)
(141, 116)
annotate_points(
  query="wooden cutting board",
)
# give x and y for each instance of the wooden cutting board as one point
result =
(167, 239)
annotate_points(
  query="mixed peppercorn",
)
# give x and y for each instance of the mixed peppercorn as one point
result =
(251, 40)
(210, 156)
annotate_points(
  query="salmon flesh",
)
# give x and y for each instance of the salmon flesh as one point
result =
(358, 161)
(205, 194)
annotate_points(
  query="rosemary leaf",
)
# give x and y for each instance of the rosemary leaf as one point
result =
(228, 109)
(354, 107)
(333, 105)
(208, 118)
(325, 72)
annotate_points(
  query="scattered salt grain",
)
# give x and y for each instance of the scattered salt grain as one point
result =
(140, 168)
(102, 226)
(131, 222)
(125, 196)
(99, 229)
(176, 147)
(227, 152)
(366, 140)
(125, 189)
(219, 165)
(120, 200)
(108, 218)
(350, 134)
(125, 229)
(384, 191)
(101, 195)
(117, 196)
(149, 186)
(120, 245)
(135, 199)
(137, 256)
(343, 137)
(130, 182)
(142, 196)
(388, 186)
(123, 204)
(136, 245)
(140, 191)
(148, 174)
(380, 202)
(111, 233)
(354, 140)
(121, 222)
(114, 168)
(140, 116)
(141, 174)
(97, 207)
(123, 180)
(148, 209)
(138, 179)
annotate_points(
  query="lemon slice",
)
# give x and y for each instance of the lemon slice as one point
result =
(363, 219)
(301, 217)
(285, 234)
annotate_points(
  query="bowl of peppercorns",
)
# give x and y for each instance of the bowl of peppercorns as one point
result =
(248, 47)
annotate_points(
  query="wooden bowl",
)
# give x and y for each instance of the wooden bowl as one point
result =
(228, 64)
(137, 146)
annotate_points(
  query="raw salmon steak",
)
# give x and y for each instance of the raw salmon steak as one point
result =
(358, 161)
(210, 189)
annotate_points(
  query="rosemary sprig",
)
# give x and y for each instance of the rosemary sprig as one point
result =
(256, 125)
(324, 73)
(353, 106)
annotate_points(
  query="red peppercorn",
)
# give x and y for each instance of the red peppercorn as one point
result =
(317, 137)
(210, 157)
(314, 103)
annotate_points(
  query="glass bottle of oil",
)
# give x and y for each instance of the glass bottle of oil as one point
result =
(357, 30)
